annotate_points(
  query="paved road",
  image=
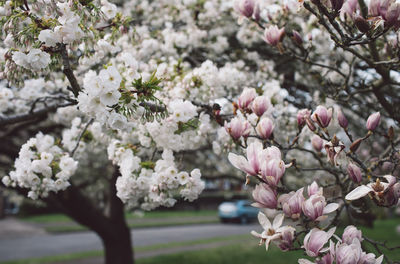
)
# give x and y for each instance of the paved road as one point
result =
(41, 245)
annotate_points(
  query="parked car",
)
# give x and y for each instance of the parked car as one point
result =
(240, 210)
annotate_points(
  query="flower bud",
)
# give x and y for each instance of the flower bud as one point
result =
(265, 128)
(350, 233)
(246, 97)
(373, 121)
(342, 119)
(337, 4)
(354, 173)
(264, 197)
(296, 37)
(310, 124)
(361, 23)
(301, 117)
(245, 7)
(273, 35)
(317, 143)
(354, 146)
(322, 116)
(260, 105)
(237, 128)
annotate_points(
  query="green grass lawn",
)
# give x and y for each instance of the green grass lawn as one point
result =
(59, 223)
(247, 252)
(49, 218)
(244, 249)
(241, 253)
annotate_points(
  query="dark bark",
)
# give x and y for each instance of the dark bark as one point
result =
(112, 229)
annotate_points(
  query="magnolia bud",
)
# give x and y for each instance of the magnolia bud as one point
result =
(342, 119)
(260, 105)
(301, 117)
(245, 7)
(322, 116)
(354, 173)
(354, 146)
(361, 24)
(296, 37)
(373, 121)
(265, 128)
(310, 124)
(337, 4)
(273, 35)
(317, 143)
(246, 97)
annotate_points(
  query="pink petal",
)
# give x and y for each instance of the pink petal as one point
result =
(241, 163)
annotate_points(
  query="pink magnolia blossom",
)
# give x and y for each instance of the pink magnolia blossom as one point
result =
(247, 8)
(317, 143)
(349, 8)
(260, 105)
(369, 259)
(272, 171)
(315, 240)
(302, 115)
(386, 193)
(255, 156)
(264, 197)
(292, 203)
(315, 207)
(273, 35)
(265, 128)
(354, 173)
(350, 233)
(287, 237)
(333, 152)
(342, 119)
(313, 188)
(322, 116)
(237, 128)
(373, 121)
(246, 98)
(348, 253)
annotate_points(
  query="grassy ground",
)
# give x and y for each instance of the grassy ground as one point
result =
(91, 254)
(57, 223)
(240, 253)
(247, 252)
(243, 250)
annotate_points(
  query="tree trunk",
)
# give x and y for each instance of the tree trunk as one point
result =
(118, 247)
(111, 228)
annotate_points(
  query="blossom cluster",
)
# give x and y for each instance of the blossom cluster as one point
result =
(42, 167)
(152, 185)
(346, 250)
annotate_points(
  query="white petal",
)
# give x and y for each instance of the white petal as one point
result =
(263, 220)
(254, 233)
(278, 220)
(358, 192)
(379, 260)
(305, 261)
(330, 208)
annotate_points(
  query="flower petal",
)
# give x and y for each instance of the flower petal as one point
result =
(358, 192)
(241, 163)
(330, 208)
(263, 220)
(305, 261)
(278, 220)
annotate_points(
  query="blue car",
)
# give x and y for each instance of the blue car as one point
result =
(240, 210)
